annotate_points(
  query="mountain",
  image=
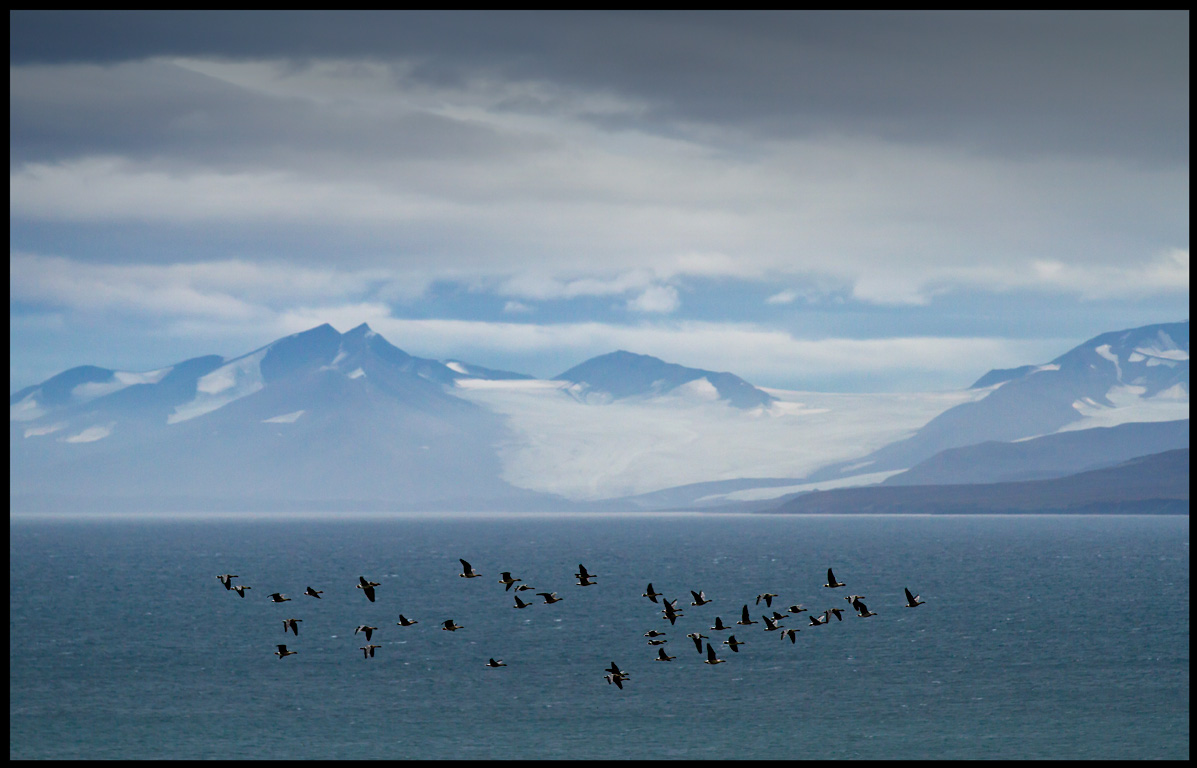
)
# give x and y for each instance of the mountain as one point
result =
(1140, 374)
(1154, 484)
(621, 374)
(1063, 453)
(316, 416)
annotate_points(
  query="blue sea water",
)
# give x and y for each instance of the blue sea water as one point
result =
(1041, 637)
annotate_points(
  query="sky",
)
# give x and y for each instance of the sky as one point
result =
(845, 201)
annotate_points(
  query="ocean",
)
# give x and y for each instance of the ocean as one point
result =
(1042, 637)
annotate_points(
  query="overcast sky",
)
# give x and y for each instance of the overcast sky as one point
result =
(835, 201)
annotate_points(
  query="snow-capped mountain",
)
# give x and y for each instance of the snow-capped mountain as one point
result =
(318, 415)
(621, 374)
(1135, 375)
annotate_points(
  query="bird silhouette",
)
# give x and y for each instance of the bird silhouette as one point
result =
(467, 571)
(550, 597)
(650, 594)
(404, 622)
(506, 580)
(831, 582)
(368, 650)
(291, 624)
(662, 656)
(278, 598)
(493, 663)
(450, 626)
(767, 597)
(367, 587)
(314, 593)
(368, 630)
(227, 579)
(282, 652)
(912, 601)
(745, 619)
(240, 589)
(710, 659)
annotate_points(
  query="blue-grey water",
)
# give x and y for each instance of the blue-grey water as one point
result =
(1041, 637)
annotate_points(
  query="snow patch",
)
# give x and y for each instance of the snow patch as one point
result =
(230, 382)
(286, 418)
(1104, 351)
(91, 434)
(26, 409)
(1177, 391)
(37, 431)
(758, 494)
(1130, 405)
(1048, 367)
(1136, 357)
(453, 365)
(120, 379)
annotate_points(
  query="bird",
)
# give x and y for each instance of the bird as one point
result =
(278, 598)
(662, 656)
(615, 670)
(653, 633)
(550, 597)
(744, 617)
(240, 589)
(816, 621)
(586, 581)
(697, 637)
(700, 598)
(790, 633)
(855, 601)
(582, 574)
(733, 643)
(368, 650)
(614, 679)
(519, 603)
(368, 630)
(467, 572)
(404, 621)
(865, 612)
(524, 587)
(838, 611)
(494, 663)
(657, 642)
(710, 659)
(291, 624)
(450, 626)
(650, 594)
(779, 616)
(507, 580)
(912, 601)
(767, 597)
(831, 582)
(227, 579)
(282, 651)
(314, 593)
(719, 625)
(795, 609)
(367, 587)
(770, 624)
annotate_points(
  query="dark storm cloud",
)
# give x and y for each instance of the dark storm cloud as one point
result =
(1101, 83)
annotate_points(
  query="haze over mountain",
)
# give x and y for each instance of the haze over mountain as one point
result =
(350, 421)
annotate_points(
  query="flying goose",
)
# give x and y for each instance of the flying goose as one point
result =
(816, 621)
(493, 663)
(767, 597)
(838, 611)
(291, 624)
(657, 642)
(770, 624)
(582, 574)
(277, 598)
(227, 579)
(719, 625)
(450, 626)
(314, 593)
(650, 594)
(795, 609)
(519, 603)
(653, 633)
(404, 622)
(697, 637)
(865, 612)
(282, 651)
(790, 633)
(912, 601)
(615, 670)
(710, 659)
(550, 597)
(614, 679)
(662, 656)
(779, 616)
(733, 643)
(240, 589)
(507, 581)
(524, 587)
(744, 617)
(368, 650)
(367, 587)
(831, 582)
(467, 572)
(700, 598)
(368, 630)
(587, 581)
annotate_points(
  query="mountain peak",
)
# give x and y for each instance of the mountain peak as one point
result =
(623, 374)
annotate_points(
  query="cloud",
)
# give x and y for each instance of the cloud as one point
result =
(782, 297)
(661, 299)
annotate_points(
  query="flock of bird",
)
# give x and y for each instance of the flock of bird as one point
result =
(614, 675)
